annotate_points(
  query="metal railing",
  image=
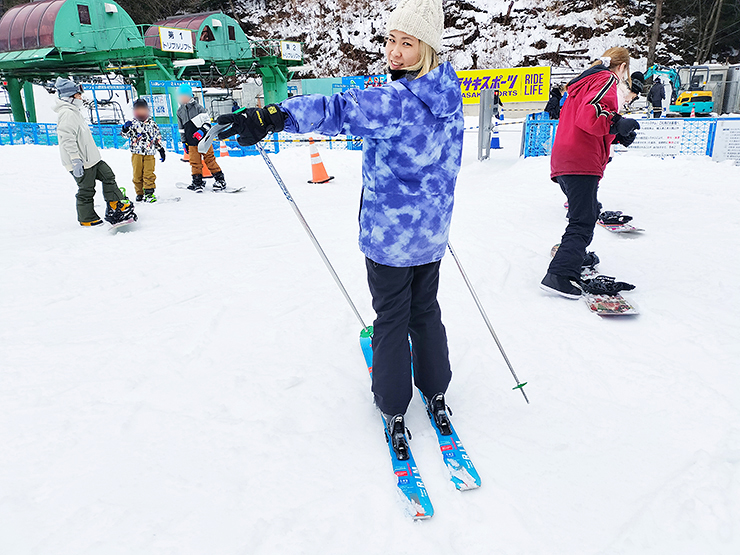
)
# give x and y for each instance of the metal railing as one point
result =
(109, 136)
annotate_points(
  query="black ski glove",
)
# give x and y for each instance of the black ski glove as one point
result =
(626, 140)
(127, 126)
(161, 155)
(185, 147)
(253, 124)
(623, 126)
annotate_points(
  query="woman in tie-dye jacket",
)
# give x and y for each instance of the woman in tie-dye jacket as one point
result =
(412, 132)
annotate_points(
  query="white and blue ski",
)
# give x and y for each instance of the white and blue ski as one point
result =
(410, 485)
(462, 471)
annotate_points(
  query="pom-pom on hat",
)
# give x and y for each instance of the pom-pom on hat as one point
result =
(422, 19)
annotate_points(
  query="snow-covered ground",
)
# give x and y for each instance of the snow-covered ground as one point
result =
(196, 386)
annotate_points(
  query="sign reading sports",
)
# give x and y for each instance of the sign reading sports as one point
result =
(519, 84)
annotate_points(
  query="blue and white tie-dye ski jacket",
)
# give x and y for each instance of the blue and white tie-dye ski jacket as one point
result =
(412, 135)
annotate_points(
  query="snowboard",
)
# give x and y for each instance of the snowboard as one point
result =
(161, 200)
(603, 305)
(181, 185)
(125, 225)
(620, 228)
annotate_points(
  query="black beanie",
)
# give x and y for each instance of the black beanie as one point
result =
(140, 103)
(638, 82)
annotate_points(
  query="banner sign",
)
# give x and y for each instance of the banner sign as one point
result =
(159, 104)
(658, 137)
(356, 82)
(727, 140)
(520, 84)
(176, 40)
(375, 80)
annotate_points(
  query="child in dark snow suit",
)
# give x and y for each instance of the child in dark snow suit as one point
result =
(145, 141)
(589, 124)
(412, 132)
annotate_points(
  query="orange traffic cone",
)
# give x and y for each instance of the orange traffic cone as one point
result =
(693, 112)
(318, 171)
(224, 150)
(206, 171)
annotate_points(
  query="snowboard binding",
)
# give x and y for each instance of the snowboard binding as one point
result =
(614, 218)
(604, 285)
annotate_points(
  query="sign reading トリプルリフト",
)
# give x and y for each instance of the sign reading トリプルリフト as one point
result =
(519, 84)
(176, 40)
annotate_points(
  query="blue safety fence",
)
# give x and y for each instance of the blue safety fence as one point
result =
(109, 136)
(696, 136)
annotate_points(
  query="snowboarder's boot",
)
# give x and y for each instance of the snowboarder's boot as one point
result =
(139, 198)
(91, 224)
(590, 261)
(604, 285)
(197, 184)
(396, 432)
(560, 285)
(118, 211)
(219, 182)
(149, 195)
(614, 218)
(437, 410)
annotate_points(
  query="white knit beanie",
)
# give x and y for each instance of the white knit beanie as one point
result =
(422, 19)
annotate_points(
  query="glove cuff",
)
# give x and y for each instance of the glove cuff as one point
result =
(277, 118)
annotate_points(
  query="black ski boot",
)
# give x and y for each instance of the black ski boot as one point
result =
(197, 184)
(149, 195)
(561, 285)
(590, 261)
(118, 211)
(614, 218)
(395, 431)
(604, 285)
(219, 182)
(437, 411)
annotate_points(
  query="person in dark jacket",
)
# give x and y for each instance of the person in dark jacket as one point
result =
(589, 124)
(656, 97)
(412, 130)
(553, 104)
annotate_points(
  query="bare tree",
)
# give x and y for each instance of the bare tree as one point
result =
(709, 32)
(654, 33)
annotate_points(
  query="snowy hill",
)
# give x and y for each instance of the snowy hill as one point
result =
(196, 386)
(345, 38)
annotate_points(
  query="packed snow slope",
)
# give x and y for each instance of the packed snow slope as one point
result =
(196, 385)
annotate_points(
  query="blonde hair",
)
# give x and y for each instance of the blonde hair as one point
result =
(617, 55)
(428, 60)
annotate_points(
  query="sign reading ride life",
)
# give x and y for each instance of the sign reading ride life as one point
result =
(519, 84)
(176, 40)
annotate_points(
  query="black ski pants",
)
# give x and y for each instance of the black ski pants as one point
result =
(583, 212)
(405, 300)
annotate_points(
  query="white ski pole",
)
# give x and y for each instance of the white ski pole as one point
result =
(519, 385)
(315, 241)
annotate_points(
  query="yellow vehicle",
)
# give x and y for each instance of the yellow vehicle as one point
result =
(701, 101)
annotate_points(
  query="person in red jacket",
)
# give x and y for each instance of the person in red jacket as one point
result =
(589, 124)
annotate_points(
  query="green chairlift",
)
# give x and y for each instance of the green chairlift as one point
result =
(43, 39)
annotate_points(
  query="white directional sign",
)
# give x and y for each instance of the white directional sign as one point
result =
(176, 40)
